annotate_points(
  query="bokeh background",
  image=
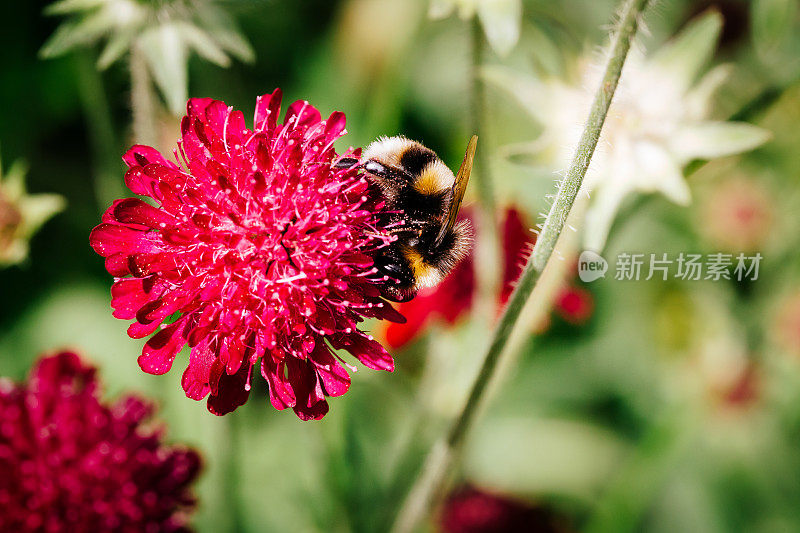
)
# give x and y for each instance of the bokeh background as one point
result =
(633, 405)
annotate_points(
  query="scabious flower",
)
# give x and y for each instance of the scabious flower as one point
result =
(259, 248)
(454, 296)
(574, 304)
(473, 510)
(70, 463)
(657, 123)
(21, 214)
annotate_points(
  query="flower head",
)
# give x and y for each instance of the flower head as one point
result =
(259, 247)
(21, 214)
(738, 215)
(473, 510)
(574, 304)
(71, 463)
(657, 123)
(164, 31)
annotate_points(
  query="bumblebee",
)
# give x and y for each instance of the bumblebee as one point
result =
(422, 201)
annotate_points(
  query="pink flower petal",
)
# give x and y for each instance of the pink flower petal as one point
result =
(311, 404)
(140, 183)
(334, 126)
(162, 348)
(268, 107)
(127, 297)
(195, 379)
(369, 352)
(281, 394)
(301, 115)
(231, 392)
(140, 155)
(334, 378)
(135, 211)
(107, 239)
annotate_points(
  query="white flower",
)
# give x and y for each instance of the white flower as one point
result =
(501, 19)
(164, 30)
(657, 123)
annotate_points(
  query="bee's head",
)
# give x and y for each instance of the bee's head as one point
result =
(424, 169)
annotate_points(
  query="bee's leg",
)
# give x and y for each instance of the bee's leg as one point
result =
(346, 162)
(400, 287)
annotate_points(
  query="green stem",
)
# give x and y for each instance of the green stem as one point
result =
(143, 100)
(483, 181)
(487, 246)
(103, 142)
(233, 472)
(432, 483)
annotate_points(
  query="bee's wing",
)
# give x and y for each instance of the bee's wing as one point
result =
(459, 188)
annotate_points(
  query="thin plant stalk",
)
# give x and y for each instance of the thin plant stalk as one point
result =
(483, 181)
(487, 250)
(233, 471)
(432, 483)
(143, 100)
(103, 141)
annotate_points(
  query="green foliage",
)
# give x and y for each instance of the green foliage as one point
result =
(165, 32)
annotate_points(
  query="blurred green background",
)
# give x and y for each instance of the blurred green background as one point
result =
(674, 406)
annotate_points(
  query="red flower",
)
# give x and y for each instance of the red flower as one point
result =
(471, 510)
(70, 463)
(518, 241)
(575, 305)
(259, 247)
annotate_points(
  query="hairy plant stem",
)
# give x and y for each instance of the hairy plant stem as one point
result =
(487, 252)
(433, 480)
(143, 100)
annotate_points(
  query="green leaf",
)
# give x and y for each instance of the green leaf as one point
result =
(686, 55)
(501, 20)
(65, 7)
(538, 456)
(772, 23)
(13, 182)
(710, 140)
(165, 54)
(698, 100)
(202, 42)
(223, 28)
(71, 35)
(529, 92)
(38, 209)
(117, 45)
